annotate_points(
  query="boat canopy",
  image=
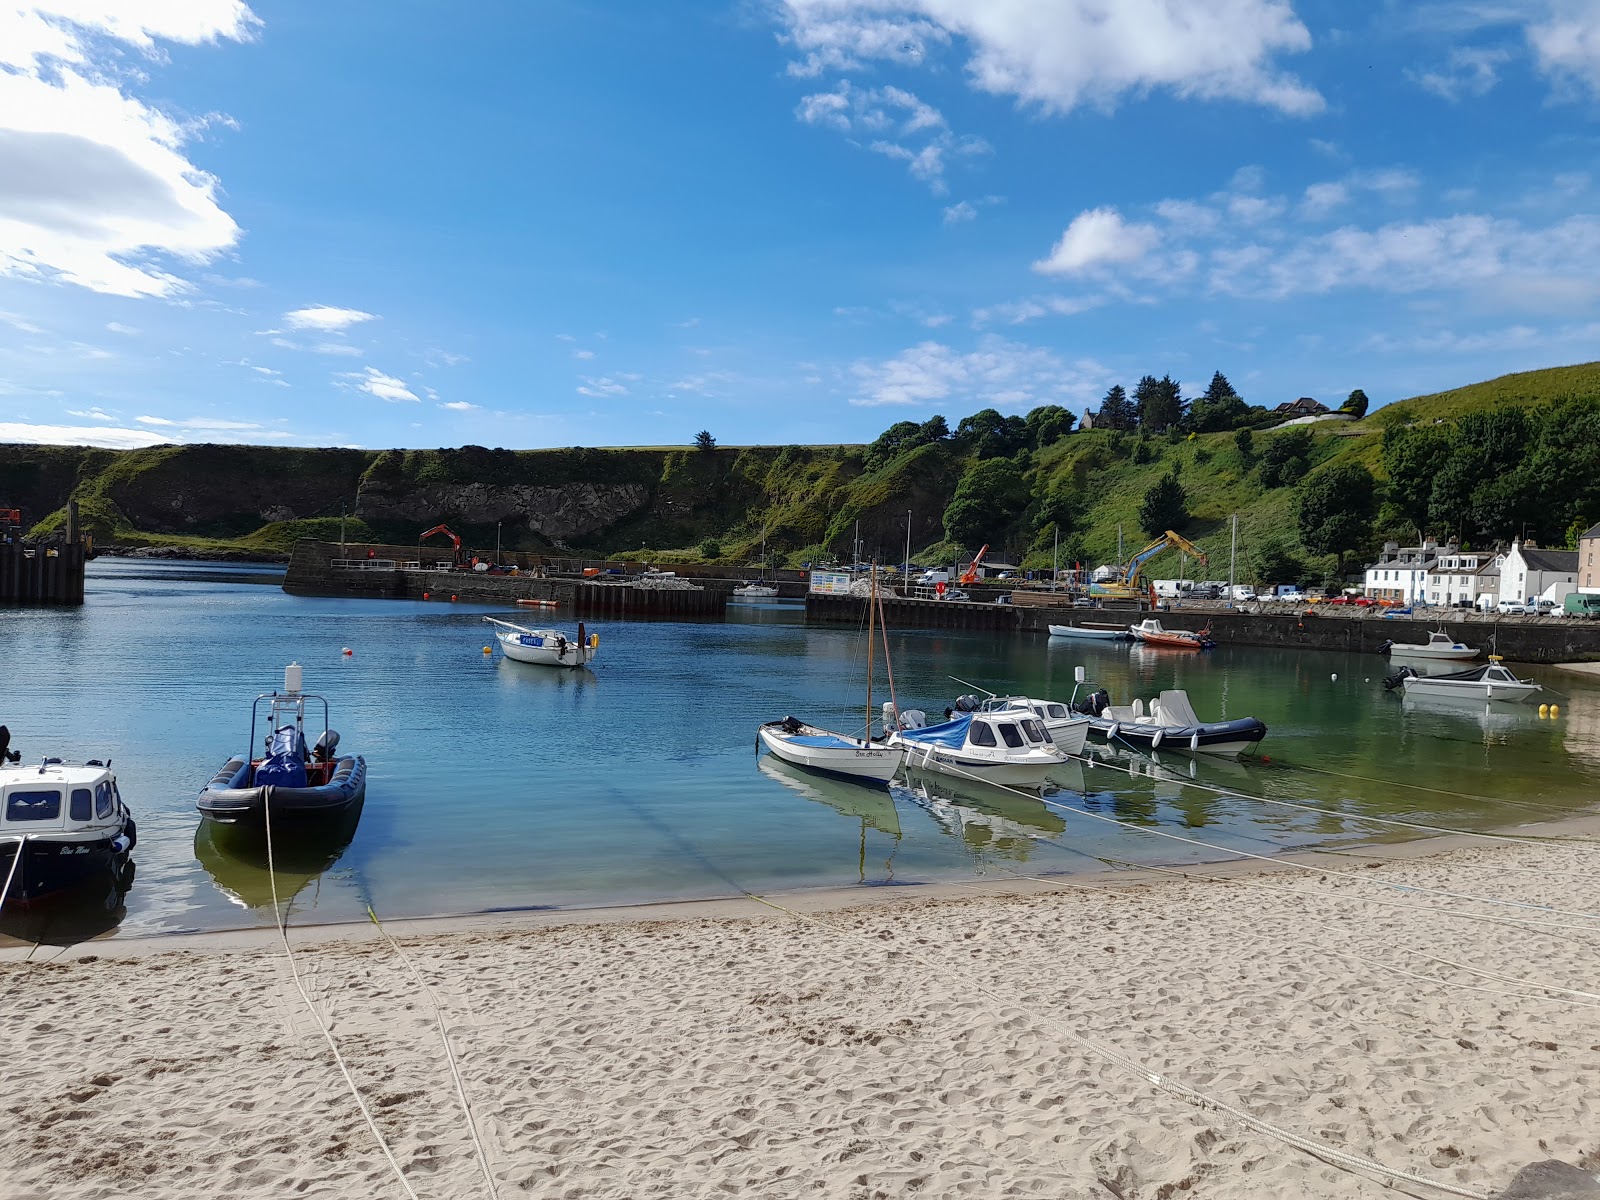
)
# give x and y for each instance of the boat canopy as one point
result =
(1173, 708)
(826, 740)
(951, 733)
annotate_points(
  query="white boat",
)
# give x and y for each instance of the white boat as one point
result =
(60, 826)
(836, 753)
(1440, 645)
(1151, 633)
(755, 591)
(1067, 729)
(1010, 749)
(820, 749)
(1092, 633)
(1170, 724)
(546, 647)
(1492, 681)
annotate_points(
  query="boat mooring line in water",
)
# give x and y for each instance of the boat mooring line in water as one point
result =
(1334, 812)
(1279, 861)
(1460, 966)
(1198, 1099)
(1422, 787)
(16, 861)
(294, 971)
(444, 1036)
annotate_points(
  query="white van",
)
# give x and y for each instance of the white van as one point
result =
(933, 578)
(1173, 589)
(1241, 591)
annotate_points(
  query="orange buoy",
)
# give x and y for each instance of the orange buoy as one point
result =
(425, 595)
(452, 597)
(347, 652)
(486, 650)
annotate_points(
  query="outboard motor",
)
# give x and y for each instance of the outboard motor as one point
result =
(967, 704)
(891, 720)
(791, 726)
(327, 745)
(1398, 679)
(1094, 703)
(1386, 647)
(913, 718)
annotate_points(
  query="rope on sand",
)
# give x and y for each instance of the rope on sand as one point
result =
(294, 970)
(1201, 1100)
(449, 1052)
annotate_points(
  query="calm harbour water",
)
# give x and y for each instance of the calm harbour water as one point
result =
(496, 785)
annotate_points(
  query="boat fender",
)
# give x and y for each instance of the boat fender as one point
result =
(594, 641)
(1194, 741)
(131, 832)
(121, 845)
(1112, 732)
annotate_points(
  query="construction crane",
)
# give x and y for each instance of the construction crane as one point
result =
(1129, 587)
(970, 575)
(456, 559)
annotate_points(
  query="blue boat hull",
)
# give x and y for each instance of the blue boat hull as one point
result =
(229, 799)
(51, 867)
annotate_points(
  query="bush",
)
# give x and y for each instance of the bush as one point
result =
(710, 550)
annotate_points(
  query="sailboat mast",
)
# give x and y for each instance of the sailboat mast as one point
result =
(888, 665)
(871, 607)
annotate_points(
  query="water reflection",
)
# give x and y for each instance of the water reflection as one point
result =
(985, 819)
(91, 910)
(872, 806)
(236, 858)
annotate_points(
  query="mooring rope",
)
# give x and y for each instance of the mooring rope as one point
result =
(294, 970)
(1420, 787)
(16, 861)
(1192, 1096)
(444, 1036)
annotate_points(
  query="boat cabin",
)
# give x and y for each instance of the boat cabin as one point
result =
(53, 798)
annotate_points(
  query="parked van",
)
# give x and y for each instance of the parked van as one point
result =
(1173, 589)
(1241, 591)
(1289, 591)
(1581, 604)
(933, 578)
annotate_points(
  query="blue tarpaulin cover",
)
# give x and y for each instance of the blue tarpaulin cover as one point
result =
(824, 739)
(285, 764)
(952, 733)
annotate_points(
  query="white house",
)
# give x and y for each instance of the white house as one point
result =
(1588, 566)
(1528, 571)
(1457, 575)
(1401, 571)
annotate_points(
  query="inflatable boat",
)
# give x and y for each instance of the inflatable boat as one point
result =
(288, 782)
(1170, 724)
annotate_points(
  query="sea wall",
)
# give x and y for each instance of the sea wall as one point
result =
(1524, 639)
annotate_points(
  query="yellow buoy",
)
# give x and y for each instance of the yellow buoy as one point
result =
(1555, 710)
(1544, 711)
(486, 650)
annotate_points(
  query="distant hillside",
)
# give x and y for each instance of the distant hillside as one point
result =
(807, 502)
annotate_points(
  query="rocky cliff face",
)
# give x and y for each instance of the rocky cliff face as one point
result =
(554, 513)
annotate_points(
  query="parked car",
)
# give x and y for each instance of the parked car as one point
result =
(1545, 607)
(1512, 608)
(1083, 602)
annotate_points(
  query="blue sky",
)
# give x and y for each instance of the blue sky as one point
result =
(563, 223)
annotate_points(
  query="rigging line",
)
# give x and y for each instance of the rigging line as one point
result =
(1289, 862)
(1334, 812)
(1321, 895)
(1201, 1100)
(294, 971)
(449, 1052)
(16, 861)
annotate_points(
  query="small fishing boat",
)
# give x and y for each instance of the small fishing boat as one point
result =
(1010, 749)
(288, 782)
(1092, 633)
(1150, 633)
(819, 749)
(755, 591)
(546, 647)
(1068, 730)
(61, 826)
(1170, 724)
(1491, 681)
(1439, 645)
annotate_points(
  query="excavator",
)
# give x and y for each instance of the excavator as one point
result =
(457, 559)
(1129, 586)
(970, 575)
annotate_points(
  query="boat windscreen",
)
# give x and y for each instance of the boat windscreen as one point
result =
(1011, 734)
(1176, 709)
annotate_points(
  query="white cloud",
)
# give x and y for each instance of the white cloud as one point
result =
(385, 387)
(1098, 237)
(1566, 43)
(91, 414)
(1323, 198)
(344, 349)
(119, 327)
(894, 123)
(1470, 71)
(215, 424)
(325, 318)
(956, 213)
(584, 354)
(998, 373)
(20, 324)
(78, 435)
(1018, 312)
(602, 387)
(98, 190)
(461, 406)
(1063, 54)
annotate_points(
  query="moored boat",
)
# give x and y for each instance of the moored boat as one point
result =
(1440, 645)
(289, 782)
(1150, 633)
(546, 647)
(835, 753)
(1068, 730)
(1170, 724)
(61, 826)
(1092, 633)
(1011, 749)
(755, 591)
(1491, 681)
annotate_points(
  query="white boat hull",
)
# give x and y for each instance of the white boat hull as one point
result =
(1069, 736)
(1455, 689)
(1460, 654)
(858, 760)
(755, 591)
(1033, 775)
(555, 652)
(1090, 635)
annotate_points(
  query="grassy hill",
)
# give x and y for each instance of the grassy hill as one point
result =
(807, 502)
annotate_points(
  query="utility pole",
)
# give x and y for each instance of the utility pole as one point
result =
(1055, 560)
(1119, 544)
(1233, 551)
(497, 543)
(342, 503)
(906, 566)
(857, 557)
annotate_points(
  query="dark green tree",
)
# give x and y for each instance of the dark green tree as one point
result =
(1159, 402)
(710, 549)
(1356, 405)
(989, 435)
(1274, 562)
(1165, 506)
(934, 429)
(1286, 459)
(1047, 424)
(1245, 443)
(987, 503)
(1334, 509)
(1218, 409)
(704, 441)
(1412, 456)
(1116, 410)
(891, 443)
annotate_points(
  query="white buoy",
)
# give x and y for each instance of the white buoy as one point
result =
(293, 677)
(1335, 677)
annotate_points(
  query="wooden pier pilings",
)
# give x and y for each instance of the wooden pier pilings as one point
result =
(41, 574)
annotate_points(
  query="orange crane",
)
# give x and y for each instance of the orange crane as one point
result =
(446, 531)
(970, 575)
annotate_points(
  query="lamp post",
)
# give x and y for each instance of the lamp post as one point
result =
(906, 566)
(342, 504)
(497, 543)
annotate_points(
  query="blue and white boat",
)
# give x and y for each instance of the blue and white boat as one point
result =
(61, 826)
(1012, 749)
(835, 753)
(288, 782)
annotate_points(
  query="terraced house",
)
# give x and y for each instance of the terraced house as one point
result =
(1589, 561)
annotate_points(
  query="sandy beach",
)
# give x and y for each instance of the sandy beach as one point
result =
(904, 1042)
